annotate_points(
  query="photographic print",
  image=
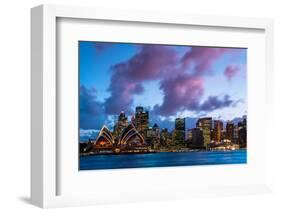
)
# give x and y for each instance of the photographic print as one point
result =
(156, 105)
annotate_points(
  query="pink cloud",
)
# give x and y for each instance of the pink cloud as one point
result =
(181, 78)
(231, 70)
(185, 90)
(150, 63)
(200, 59)
(180, 93)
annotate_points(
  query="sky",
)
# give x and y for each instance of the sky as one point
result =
(169, 81)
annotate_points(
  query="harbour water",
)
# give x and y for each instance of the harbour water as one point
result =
(162, 159)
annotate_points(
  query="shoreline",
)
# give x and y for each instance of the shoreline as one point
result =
(156, 152)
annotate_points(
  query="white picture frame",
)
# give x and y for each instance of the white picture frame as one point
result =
(44, 153)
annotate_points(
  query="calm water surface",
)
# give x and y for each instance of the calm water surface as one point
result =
(162, 159)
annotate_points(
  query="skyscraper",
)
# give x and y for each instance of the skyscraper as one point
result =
(230, 131)
(157, 130)
(235, 134)
(197, 140)
(165, 137)
(139, 109)
(152, 136)
(242, 132)
(179, 136)
(141, 120)
(121, 124)
(205, 125)
(189, 135)
(218, 131)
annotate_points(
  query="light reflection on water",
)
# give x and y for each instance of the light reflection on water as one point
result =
(162, 159)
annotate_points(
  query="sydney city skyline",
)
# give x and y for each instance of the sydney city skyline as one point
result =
(152, 98)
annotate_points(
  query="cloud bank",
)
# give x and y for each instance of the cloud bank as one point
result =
(150, 63)
(181, 80)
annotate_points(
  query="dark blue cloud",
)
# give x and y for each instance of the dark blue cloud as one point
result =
(214, 103)
(91, 111)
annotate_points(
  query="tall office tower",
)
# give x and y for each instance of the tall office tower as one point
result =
(218, 131)
(179, 136)
(242, 132)
(152, 136)
(165, 137)
(189, 135)
(235, 134)
(121, 124)
(212, 135)
(205, 125)
(139, 109)
(141, 120)
(197, 140)
(230, 131)
(156, 131)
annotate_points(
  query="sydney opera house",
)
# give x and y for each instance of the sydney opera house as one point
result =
(129, 140)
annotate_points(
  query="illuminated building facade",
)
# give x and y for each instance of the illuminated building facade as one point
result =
(235, 134)
(189, 135)
(141, 120)
(205, 125)
(104, 140)
(179, 133)
(152, 135)
(165, 137)
(218, 131)
(121, 124)
(138, 136)
(131, 138)
(197, 139)
(242, 133)
(230, 131)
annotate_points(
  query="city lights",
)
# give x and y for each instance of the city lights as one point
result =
(137, 136)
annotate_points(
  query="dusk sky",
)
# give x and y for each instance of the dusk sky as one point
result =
(169, 81)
